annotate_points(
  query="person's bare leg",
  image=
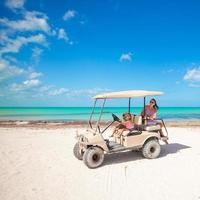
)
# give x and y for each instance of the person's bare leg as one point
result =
(119, 133)
(115, 131)
(162, 134)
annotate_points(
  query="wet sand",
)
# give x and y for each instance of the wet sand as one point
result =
(80, 124)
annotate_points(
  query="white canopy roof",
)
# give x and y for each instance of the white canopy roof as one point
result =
(128, 94)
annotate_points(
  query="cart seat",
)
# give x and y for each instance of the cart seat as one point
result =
(137, 119)
(152, 128)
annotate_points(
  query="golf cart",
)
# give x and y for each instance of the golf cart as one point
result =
(92, 146)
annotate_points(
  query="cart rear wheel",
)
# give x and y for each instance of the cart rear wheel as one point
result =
(93, 157)
(151, 149)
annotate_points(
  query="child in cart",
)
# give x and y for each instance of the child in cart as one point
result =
(126, 125)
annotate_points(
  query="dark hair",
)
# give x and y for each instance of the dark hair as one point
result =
(126, 114)
(155, 106)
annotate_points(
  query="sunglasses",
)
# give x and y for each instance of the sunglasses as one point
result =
(126, 115)
(152, 101)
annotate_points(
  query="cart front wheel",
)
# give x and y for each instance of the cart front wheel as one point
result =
(77, 153)
(93, 157)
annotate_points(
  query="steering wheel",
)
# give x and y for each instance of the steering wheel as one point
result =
(115, 118)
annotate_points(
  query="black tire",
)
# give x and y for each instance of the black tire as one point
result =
(93, 157)
(77, 153)
(151, 149)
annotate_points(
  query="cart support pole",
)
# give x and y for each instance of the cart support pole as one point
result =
(97, 124)
(90, 123)
(129, 105)
(144, 106)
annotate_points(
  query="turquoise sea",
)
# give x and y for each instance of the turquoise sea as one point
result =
(83, 113)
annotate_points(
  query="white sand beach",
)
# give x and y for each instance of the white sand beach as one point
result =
(38, 164)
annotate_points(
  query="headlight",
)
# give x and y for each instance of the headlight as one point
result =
(83, 139)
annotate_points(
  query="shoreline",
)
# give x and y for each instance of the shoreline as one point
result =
(80, 124)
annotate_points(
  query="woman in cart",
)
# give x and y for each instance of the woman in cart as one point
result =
(150, 114)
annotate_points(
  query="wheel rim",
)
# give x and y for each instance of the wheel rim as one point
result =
(152, 149)
(95, 158)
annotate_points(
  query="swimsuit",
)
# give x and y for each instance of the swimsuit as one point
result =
(150, 121)
(129, 125)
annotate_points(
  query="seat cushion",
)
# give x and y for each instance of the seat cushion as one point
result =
(125, 133)
(152, 128)
(137, 120)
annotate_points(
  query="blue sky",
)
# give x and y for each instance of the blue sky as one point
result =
(60, 53)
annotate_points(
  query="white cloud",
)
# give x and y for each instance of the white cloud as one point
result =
(33, 21)
(11, 59)
(16, 87)
(63, 35)
(14, 4)
(94, 91)
(192, 75)
(3, 37)
(8, 71)
(51, 91)
(126, 57)
(3, 64)
(45, 88)
(12, 42)
(57, 92)
(34, 75)
(26, 85)
(69, 15)
(14, 45)
(87, 92)
(32, 29)
(36, 53)
(194, 85)
(31, 83)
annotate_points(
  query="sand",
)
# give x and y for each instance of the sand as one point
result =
(38, 164)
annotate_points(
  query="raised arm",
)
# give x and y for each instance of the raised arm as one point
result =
(142, 113)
